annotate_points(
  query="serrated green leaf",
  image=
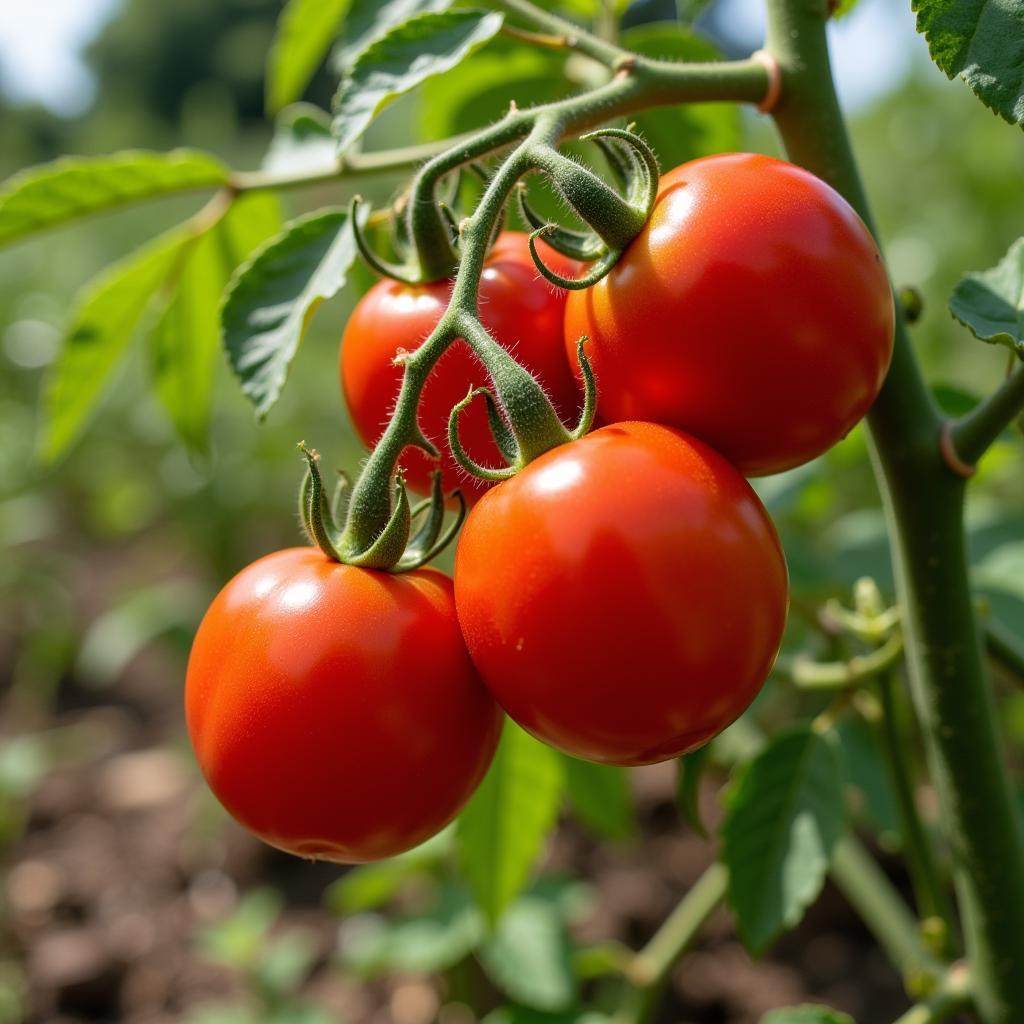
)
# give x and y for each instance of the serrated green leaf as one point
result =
(51, 194)
(784, 817)
(305, 31)
(502, 829)
(689, 771)
(599, 795)
(302, 142)
(681, 133)
(529, 957)
(982, 41)
(369, 20)
(478, 90)
(102, 326)
(413, 51)
(185, 340)
(273, 296)
(990, 303)
(806, 1015)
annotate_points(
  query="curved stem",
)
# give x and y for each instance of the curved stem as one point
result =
(953, 996)
(929, 885)
(924, 508)
(976, 431)
(650, 968)
(837, 675)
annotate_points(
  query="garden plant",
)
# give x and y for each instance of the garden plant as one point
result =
(588, 355)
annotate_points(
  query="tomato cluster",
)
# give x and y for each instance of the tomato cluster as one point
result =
(623, 597)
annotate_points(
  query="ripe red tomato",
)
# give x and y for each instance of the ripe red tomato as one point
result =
(334, 710)
(753, 311)
(520, 309)
(624, 595)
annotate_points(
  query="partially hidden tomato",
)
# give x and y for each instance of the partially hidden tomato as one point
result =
(523, 312)
(334, 710)
(752, 311)
(624, 595)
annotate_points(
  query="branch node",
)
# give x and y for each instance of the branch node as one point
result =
(771, 65)
(947, 449)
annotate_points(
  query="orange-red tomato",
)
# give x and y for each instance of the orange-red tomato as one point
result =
(624, 595)
(753, 311)
(333, 710)
(521, 310)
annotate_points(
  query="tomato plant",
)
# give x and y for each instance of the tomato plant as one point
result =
(753, 310)
(521, 310)
(646, 611)
(334, 710)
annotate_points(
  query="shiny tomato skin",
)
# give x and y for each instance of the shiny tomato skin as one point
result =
(334, 711)
(752, 311)
(624, 595)
(522, 310)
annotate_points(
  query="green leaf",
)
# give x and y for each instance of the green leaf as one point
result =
(783, 819)
(526, 1015)
(806, 1015)
(185, 340)
(690, 769)
(54, 193)
(991, 302)
(305, 31)
(427, 943)
(302, 142)
(409, 54)
(101, 328)
(982, 41)
(238, 940)
(368, 20)
(600, 796)
(688, 11)
(681, 133)
(478, 90)
(868, 774)
(273, 296)
(502, 829)
(843, 8)
(529, 957)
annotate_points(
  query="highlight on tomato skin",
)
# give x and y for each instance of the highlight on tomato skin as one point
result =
(523, 312)
(623, 596)
(752, 311)
(333, 710)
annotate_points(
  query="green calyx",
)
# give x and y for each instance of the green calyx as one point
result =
(410, 538)
(614, 219)
(523, 422)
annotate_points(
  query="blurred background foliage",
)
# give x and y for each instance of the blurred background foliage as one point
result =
(109, 558)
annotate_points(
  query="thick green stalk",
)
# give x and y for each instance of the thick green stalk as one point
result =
(924, 505)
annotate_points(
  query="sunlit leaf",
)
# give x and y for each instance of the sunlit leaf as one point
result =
(273, 296)
(101, 328)
(409, 54)
(991, 302)
(302, 142)
(982, 41)
(784, 817)
(305, 31)
(806, 1015)
(54, 193)
(368, 20)
(502, 829)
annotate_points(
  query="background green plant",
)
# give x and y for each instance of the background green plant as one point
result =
(177, 521)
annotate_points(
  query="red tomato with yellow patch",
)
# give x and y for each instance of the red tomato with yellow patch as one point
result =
(334, 710)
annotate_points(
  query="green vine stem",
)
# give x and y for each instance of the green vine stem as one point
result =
(953, 996)
(924, 504)
(974, 432)
(929, 886)
(649, 969)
